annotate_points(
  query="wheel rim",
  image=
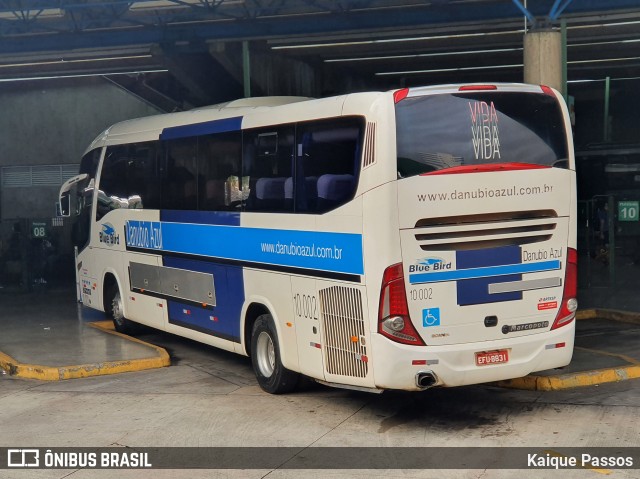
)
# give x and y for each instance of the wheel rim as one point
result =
(116, 308)
(266, 354)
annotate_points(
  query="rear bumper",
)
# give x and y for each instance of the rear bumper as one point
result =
(454, 365)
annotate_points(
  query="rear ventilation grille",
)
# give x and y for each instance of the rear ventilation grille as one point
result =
(369, 146)
(491, 230)
(343, 331)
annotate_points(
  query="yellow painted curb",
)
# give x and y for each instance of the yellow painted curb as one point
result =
(52, 373)
(586, 314)
(574, 380)
(583, 378)
(611, 314)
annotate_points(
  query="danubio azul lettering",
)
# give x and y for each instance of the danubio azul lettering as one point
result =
(144, 234)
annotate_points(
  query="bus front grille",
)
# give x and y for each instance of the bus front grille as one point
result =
(481, 231)
(343, 331)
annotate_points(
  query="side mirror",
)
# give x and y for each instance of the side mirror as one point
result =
(64, 205)
(65, 196)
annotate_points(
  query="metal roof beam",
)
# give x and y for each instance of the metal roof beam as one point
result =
(558, 8)
(113, 28)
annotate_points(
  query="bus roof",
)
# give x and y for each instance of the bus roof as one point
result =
(149, 128)
(154, 124)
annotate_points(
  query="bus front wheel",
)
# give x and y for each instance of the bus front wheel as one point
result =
(272, 376)
(115, 310)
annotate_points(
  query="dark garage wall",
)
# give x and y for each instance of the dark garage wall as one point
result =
(52, 122)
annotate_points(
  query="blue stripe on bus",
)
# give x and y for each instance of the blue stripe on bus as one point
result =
(205, 128)
(225, 218)
(325, 251)
(223, 320)
(484, 272)
(476, 290)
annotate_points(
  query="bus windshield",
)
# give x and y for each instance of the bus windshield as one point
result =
(435, 132)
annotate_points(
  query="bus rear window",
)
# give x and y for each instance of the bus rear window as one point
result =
(435, 132)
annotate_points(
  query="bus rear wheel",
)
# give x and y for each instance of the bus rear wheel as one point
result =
(272, 376)
(115, 310)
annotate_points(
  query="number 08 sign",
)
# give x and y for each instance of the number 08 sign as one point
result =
(628, 211)
(38, 230)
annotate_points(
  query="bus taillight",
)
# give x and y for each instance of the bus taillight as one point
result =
(569, 304)
(393, 316)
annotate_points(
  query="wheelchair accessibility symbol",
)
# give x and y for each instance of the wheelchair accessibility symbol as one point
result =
(431, 317)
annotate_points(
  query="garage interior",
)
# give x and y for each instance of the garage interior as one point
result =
(71, 68)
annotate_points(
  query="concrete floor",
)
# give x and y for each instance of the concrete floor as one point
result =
(50, 329)
(210, 398)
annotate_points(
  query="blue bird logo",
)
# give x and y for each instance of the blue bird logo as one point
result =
(108, 229)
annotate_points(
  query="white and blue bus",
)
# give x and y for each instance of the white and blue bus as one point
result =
(398, 240)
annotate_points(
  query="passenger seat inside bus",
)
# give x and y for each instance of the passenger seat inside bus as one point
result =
(333, 190)
(270, 194)
(307, 199)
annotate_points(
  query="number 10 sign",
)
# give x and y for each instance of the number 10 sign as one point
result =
(628, 211)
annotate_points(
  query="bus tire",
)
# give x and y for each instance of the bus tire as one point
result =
(272, 376)
(115, 311)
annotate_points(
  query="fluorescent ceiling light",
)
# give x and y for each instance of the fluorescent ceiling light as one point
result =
(612, 42)
(493, 67)
(603, 79)
(421, 55)
(459, 69)
(438, 37)
(52, 77)
(62, 61)
(602, 60)
(396, 40)
(466, 52)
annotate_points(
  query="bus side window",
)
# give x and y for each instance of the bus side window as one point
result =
(219, 158)
(111, 191)
(266, 166)
(180, 177)
(328, 163)
(82, 227)
(143, 186)
(129, 178)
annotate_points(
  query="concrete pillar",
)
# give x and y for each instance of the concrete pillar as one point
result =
(543, 58)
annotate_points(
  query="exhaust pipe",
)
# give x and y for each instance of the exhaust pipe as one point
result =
(426, 379)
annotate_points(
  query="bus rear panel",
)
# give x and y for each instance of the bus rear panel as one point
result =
(485, 288)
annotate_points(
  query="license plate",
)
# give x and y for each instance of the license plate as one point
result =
(487, 358)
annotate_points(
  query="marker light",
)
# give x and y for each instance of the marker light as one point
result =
(547, 90)
(569, 305)
(477, 87)
(400, 95)
(393, 315)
